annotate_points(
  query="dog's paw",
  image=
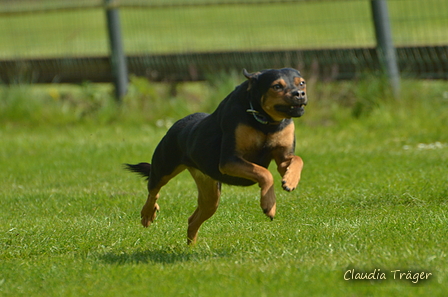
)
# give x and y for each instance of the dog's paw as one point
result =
(290, 180)
(149, 216)
(267, 202)
(287, 187)
(270, 213)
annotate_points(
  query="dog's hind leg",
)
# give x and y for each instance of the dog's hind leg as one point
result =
(148, 212)
(155, 183)
(209, 191)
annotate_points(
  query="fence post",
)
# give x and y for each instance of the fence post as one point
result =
(117, 56)
(385, 47)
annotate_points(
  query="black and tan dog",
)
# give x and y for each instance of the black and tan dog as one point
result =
(233, 145)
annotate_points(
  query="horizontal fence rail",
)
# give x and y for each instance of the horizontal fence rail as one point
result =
(416, 62)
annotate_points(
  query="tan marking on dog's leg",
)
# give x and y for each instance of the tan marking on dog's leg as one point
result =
(149, 210)
(268, 201)
(209, 191)
(257, 174)
(290, 170)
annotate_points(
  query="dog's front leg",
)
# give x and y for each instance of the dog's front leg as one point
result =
(239, 167)
(290, 168)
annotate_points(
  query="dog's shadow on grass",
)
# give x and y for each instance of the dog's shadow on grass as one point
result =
(162, 256)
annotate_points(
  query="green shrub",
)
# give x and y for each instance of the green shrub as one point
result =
(368, 100)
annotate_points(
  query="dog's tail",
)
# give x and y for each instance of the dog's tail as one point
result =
(144, 169)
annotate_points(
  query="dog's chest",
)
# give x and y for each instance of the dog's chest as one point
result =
(250, 141)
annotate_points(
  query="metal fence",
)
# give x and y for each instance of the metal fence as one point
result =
(173, 40)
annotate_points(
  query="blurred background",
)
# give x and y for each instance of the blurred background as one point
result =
(176, 41)
(67, 41)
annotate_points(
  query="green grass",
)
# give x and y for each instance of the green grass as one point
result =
(373, 196)
(302, 25)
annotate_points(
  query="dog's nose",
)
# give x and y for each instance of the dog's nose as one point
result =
(298, 93)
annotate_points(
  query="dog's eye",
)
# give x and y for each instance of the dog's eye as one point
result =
(277, 87)
(302, 83)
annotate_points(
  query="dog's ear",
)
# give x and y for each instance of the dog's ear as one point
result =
(247, 74)
(252, 77)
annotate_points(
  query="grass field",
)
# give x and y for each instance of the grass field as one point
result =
(306, 24)
(373, 196)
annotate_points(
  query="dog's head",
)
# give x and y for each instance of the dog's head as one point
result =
(282, 92)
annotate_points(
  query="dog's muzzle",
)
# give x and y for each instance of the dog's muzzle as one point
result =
(295, 104)
(299, 97)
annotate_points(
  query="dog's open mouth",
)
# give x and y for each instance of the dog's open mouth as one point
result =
(295, 110)
(293, 107)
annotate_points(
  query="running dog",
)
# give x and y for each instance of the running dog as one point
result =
(233, 145)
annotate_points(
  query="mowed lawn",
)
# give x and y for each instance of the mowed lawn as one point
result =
(373, 198)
